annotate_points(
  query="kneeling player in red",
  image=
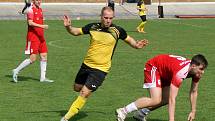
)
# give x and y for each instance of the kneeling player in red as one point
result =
(163, 76)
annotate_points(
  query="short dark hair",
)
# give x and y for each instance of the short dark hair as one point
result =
(199, 60)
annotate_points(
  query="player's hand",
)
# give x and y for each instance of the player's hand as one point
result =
(66, 20)
(142, 43)
(45, 26)
(191, 116)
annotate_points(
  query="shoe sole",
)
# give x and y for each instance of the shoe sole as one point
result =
(137, 119)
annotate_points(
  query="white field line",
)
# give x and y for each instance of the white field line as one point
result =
(53, 44)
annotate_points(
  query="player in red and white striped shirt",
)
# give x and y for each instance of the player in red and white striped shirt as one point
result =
(163, 76)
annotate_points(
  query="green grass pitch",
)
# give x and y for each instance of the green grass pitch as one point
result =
(30, 100)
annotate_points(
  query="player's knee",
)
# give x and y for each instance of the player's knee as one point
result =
(157, 101)
(85, 93)
(77, 87)
(43, 57)
(33, 59)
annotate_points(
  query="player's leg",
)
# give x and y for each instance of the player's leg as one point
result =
(93, 79)
(138, 27)
(43, 62)
(141, 114)
(81, 78)
(142, 24)
(78, 103)
(153, 84)
(78, 87)
(31, 50)
(153, 100)
(43, 67)
(20, 67)
(23, 65)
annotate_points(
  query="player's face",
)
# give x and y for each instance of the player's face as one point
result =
(107, 18)
(37, 2)
(197, 71)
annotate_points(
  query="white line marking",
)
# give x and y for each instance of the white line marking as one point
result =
(52, 43)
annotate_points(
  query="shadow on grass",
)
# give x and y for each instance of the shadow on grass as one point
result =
(21, 78)
(132, 119)
(80, 115)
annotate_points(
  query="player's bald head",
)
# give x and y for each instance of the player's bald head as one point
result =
(106, 9)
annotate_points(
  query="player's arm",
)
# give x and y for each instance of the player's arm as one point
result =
(72, 30)
(138, 8)
(172, 101)
(193, 100)
(136, 44)
(143, 9)
(31, 23)
(30, 17)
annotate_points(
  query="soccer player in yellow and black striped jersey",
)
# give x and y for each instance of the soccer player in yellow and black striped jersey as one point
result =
(142, 13)
(104, 36)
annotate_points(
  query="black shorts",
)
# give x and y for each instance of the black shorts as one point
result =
(90, 77)
(143, 17)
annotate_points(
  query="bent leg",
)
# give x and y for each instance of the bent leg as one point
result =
(78, 103)
(78, 87)
(154, 99)
(164, 101)
(142, 113)
(26, 63)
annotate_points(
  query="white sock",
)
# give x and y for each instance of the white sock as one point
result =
(43, 64)
(24, 64)
(130, 107)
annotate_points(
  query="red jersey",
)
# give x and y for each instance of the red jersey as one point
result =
(35, 37)
(36, 15)
(171, 68)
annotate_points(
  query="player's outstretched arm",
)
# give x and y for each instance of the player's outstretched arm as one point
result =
(72, 30)
(172, 101)
(193, 100)
(136, 44)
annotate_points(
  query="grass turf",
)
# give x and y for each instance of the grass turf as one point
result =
(30, 100)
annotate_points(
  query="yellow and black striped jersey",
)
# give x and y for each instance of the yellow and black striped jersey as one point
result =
(102, 44)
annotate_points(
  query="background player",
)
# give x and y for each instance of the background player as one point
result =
(142, 13)
(35, 43)
(28, 4)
